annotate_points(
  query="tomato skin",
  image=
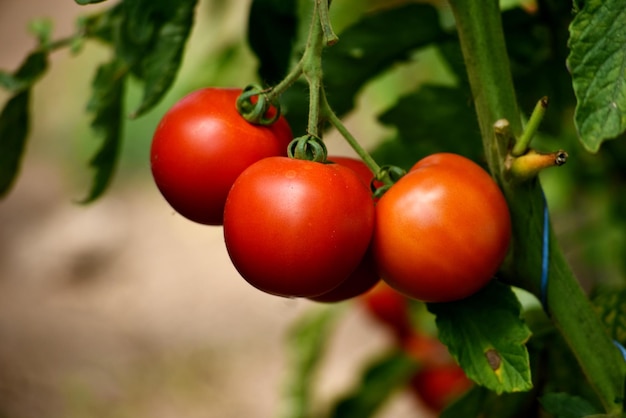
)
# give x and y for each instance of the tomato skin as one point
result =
(297, 228)
(442, 230)
(366, 275)
(437, 386)
(200, 147)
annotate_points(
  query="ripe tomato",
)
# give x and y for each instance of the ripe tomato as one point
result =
(200, 147)
(438, 386)
(442, 230)
(365, 276)
(389, 308)
(295, 227)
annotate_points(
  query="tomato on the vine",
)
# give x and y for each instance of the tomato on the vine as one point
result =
(439, 385)
(297, 228)
(442, 230)
(365, 276)
(200, 147)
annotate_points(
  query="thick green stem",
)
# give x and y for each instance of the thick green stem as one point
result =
(482, 41)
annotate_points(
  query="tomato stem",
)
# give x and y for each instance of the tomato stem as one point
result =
(522, 144)
(528, 166)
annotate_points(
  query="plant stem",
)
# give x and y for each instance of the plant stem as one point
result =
(482, 41)
(522, 144)
(336, 122)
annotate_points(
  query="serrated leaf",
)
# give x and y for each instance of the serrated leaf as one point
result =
(107, 104)
(487, 337)
(434, 119)
(597, 62)
(380, 380)
(14, 125)
(610, 303)
(564, 405)
(272, 27)
(372, 45)
(160, 51)
(33, 67)
(307, 340)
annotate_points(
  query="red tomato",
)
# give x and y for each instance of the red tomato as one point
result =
(297, 228)
(442, 230)
(438, 386)
(365, 276)
(200, 147)
(389, 308)
(427, 350)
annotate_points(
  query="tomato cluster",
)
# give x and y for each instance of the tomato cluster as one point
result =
(439, 380)
(299, 228)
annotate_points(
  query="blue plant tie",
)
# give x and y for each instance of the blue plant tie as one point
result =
(545, 255)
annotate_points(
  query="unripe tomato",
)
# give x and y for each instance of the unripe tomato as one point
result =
(438, 386)
(295, 227)
(442, 230)
(200, 147)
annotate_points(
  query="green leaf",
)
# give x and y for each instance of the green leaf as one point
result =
(610, 303)
(372, 45)
(380, 381)
(33, 67)
(433, 119)
(160, 31)
(487, 337)
(42, 29)
(272, 27)
(14, 125)
(598, 65)
(480, 402)
(307, 340)
(564, 405)
(107, 104)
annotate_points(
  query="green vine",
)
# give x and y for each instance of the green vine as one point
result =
(482, 41)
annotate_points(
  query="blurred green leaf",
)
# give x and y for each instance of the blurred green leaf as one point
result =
(33, 67)
(83, 2)
(480, 402)
(107, 104)
(487, 337)
(14, 125)
(42, 29)
(372, 45)
(597, 62)
(563, 405)
(610, 303)
(307, 340)
(381, 379)
(156, 35)
(272, 27)
(433, 119)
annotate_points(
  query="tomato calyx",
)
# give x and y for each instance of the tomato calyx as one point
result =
(387, 175)
(308, 147)
(254, 106)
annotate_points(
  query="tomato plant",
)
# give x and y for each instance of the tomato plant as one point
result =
(297, 228)
(200, 147)
(553, 344)
(442, 230)
(438, 386)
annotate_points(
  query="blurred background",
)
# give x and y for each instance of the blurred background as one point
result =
(123, 308)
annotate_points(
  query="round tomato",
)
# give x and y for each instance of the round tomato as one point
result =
(442, 230)
(365, 276)
(437, 386)
(297, 228)
(200, 147)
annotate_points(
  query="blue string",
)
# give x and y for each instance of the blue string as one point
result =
(545, 255)
(544, 268)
